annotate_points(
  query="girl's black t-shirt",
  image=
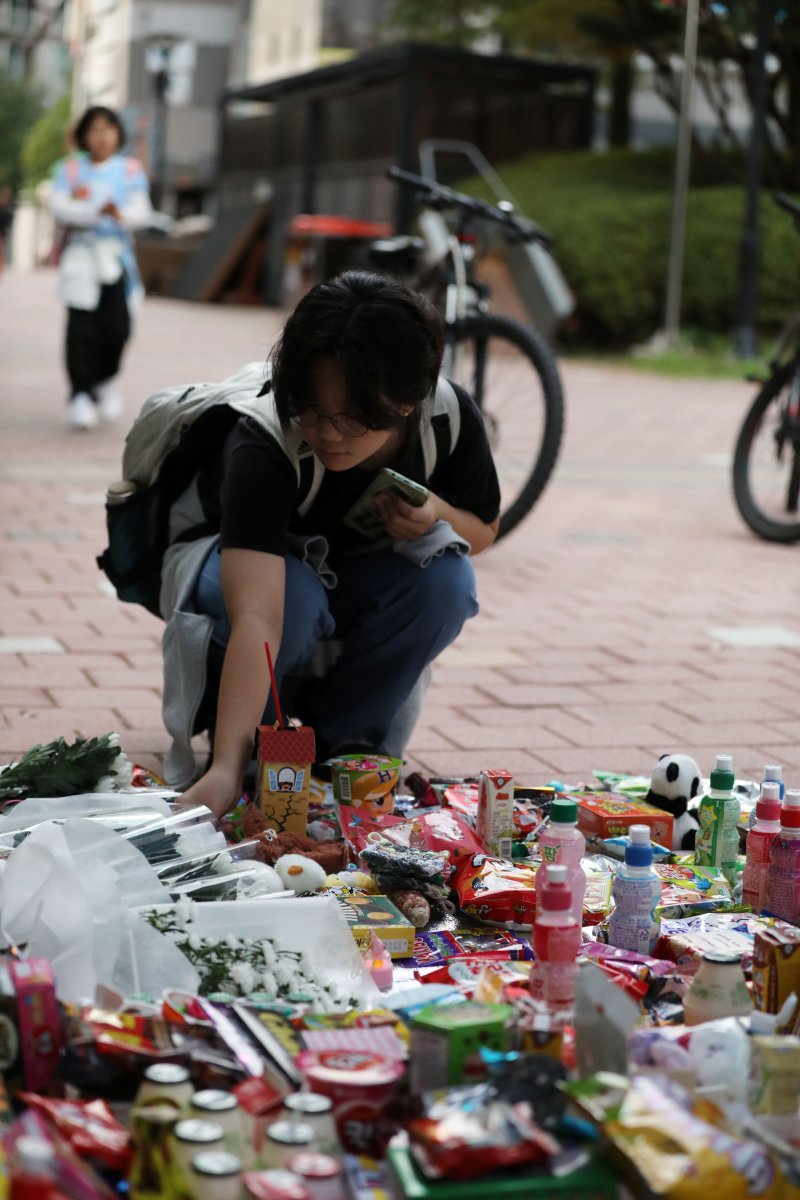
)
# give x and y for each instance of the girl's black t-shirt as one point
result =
(257, 503)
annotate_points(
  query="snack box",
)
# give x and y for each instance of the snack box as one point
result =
(376, 914)
(495, 821)
(595, 1181)
(30, 1026)
(606, 814)
(446, 1042)
(776, 966)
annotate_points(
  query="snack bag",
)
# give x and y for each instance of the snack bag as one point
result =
(688, 890)
(495, 891)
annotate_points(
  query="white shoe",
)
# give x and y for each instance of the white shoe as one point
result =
(81, 412)
(109, 399)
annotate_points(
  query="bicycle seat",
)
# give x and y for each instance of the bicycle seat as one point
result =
(402, 246)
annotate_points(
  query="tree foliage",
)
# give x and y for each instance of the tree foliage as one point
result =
(45, 143)
(20, 106)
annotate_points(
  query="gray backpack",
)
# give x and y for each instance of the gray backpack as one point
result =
(180, 431)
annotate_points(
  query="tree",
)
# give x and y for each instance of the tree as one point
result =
(45, 143)
(20, 106)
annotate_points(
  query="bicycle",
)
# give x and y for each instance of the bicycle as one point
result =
(507, 368)
(766, 462)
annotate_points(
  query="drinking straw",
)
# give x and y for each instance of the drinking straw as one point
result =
(274, 686)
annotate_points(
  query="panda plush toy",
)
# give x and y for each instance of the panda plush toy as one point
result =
(676, 780)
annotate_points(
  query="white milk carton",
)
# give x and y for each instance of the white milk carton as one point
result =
(495, 824)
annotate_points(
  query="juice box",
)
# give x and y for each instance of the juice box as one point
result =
(776, 966)
(284, 776)
(495, 821)
(774, 1083)
(446, 1042)
(376, 914)
(30, 1028)
(606, 815)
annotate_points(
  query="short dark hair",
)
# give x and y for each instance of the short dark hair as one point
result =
(91, 114)
(385, 338)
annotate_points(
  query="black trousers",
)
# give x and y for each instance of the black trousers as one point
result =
(95, 340)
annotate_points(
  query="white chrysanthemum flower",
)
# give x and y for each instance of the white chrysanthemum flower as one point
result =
(268, 950)
(113, 739)
(284, 974)
(107, 784)
(232, 942)
(223, 864)
(194, 941)
(244, 977)
(184, 912)
(122, 769)
(269, 983)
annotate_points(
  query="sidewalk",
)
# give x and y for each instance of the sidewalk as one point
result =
(611, 623)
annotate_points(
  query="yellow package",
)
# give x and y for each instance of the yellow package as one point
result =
(679, 1148)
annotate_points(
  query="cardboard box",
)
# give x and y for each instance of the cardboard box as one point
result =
(284, 776)
(495, 821)
(605, 815)
(446, 1042)
(30, 1027)
(376, 914)
(776, 967)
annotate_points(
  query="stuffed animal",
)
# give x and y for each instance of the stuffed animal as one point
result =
(332, 856)
(674, 782)
(301, 874)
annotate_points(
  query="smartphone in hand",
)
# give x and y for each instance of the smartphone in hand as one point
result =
(363, 516)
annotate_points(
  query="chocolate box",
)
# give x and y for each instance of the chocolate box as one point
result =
(605, 815)
(376, 914)
(30, 1030)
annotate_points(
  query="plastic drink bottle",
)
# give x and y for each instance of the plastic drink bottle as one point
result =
(562, 842)
(782, 893)
(556, 939)
(636, 891)
(772, 774)
(759, 840)
(718, 840)
(717, 990)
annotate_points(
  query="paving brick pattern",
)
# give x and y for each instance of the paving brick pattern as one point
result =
(598, 644)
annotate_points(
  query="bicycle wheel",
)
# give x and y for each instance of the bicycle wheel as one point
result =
(511, 373)
(766, 463)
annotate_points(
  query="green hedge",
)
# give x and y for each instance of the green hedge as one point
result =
(610, 215)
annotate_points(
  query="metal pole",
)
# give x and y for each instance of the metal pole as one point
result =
(158, 183)
(672, 310)
(746, 340)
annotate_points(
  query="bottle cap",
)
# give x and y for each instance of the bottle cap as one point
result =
(639, 852)
(790, 809)
(192, 1129)
(772, 771)
(214, 1100)
(166, 1073)
(768, 805)
(555, 894)
(216, 1162)
(563, 812)
(722, 778)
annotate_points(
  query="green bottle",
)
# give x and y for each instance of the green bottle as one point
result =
(718, 840)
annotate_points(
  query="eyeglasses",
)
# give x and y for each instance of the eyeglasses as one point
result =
(343, 423)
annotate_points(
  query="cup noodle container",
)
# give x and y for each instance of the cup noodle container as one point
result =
(360, 1085)
(284, 776)
(366, 781)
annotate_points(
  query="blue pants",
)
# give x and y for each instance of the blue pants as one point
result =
(392, 617)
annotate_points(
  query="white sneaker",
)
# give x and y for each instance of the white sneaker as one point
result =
(81, 412)
(109, 399)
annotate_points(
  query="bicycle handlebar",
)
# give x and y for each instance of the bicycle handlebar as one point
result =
(516, 228)
(790, 206)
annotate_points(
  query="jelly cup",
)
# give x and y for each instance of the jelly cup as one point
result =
(360, 1085)
(366, 781)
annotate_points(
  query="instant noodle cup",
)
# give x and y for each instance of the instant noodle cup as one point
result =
(366, 781)
(361, 1085)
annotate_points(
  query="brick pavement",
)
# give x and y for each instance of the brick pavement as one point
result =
(606, 624)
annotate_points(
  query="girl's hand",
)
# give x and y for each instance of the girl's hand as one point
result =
(110, 210)
(218, 790)
(402, 520)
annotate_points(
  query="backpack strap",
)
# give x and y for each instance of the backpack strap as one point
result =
(440, 425)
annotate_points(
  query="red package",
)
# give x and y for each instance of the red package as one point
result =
(495, 891)
(460, 1139)
(437, 830)
(463, 799)
(89, 1126)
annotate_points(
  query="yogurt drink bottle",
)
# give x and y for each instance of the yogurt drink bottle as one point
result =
(561, 842)
(782, 894)
(772, 773)
(637, 890)
(759, 840)
(556, 939)
(718, 840)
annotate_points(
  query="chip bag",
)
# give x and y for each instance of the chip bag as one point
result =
(496, 891)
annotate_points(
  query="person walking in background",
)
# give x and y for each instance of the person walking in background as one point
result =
(99, 197)
(6, 217)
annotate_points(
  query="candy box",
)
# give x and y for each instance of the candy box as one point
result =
(495, 821)
(376, 914)
(284, 776)
(605, 815)
(776, 966)
(446, 1042)
(30, 1030)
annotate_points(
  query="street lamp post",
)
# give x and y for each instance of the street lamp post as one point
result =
(159, 47)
